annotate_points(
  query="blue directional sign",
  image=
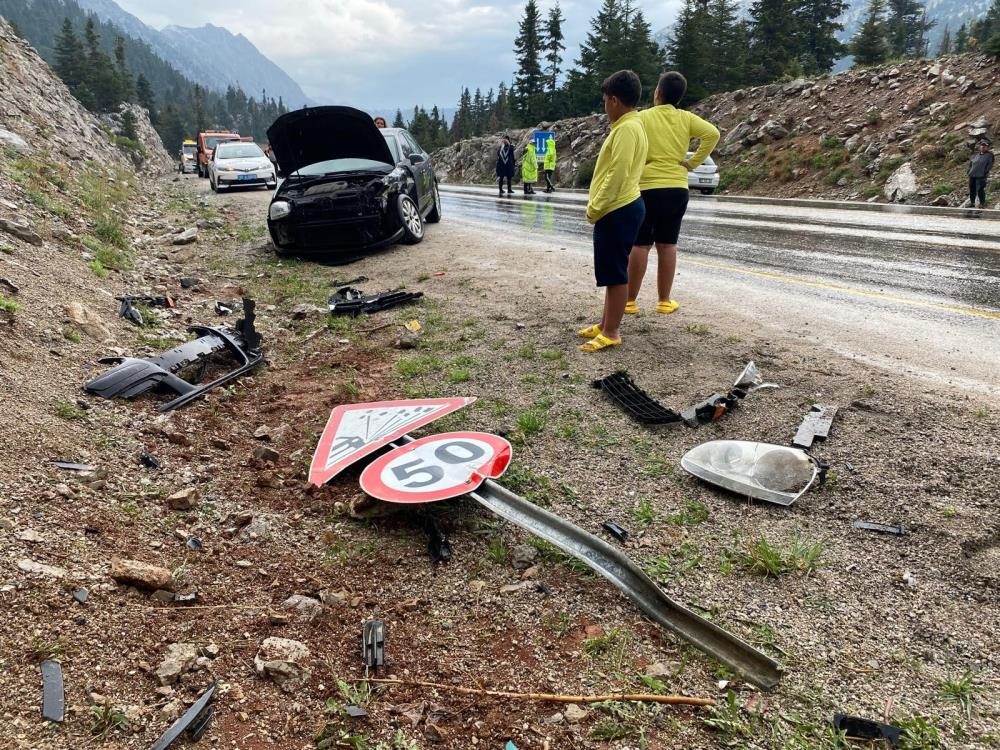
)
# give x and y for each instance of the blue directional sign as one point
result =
(541, 136)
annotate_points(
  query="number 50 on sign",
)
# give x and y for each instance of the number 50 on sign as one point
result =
(436, 467)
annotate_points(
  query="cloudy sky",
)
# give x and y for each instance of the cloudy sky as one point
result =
(379, 54)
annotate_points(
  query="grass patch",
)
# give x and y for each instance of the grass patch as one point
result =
(645, 512)
(530, 422)
(828, 142)
(871, 192)
(698, 329)
(459, 376)
(422, 364)
(497, 550)
(98, 269)
(110, 257)
(741, 177)
(106, 719)
(919, 733)
(68, 411)
(834, 177)
(72, 335)
(765, 558)
(42, 649)
(889, 166)
(536, 488)
(8, 305)
(109, 230)
(942, 188)
(961, 691)
(693, 514)
(675, 563)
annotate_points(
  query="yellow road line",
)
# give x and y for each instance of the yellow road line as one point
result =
(959, 309)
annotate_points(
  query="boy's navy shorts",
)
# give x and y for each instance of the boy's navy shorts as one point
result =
(665, 209)
(614, 236)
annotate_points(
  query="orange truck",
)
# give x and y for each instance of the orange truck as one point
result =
(207, 142)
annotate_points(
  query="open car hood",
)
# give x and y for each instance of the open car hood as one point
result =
(314, 134)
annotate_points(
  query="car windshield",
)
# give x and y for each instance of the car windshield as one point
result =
(393, 147)
(190, 148)
(241, 151)
(211, 141)
(340, 165)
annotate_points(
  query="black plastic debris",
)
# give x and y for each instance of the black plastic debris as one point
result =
(437, 541)
(195, 718)
(639, 405)
(615, 530)
(355, 712)
(351, 301)
(70, 466)
(149, 460)
(866, 729)
(128, 311)
(879, 527)
(227, 308)
(356, 280)
(194, 543)
(634, 401)
(53, 697)
(133, 377)
(373, 643)
(815, 426)
(188, 281)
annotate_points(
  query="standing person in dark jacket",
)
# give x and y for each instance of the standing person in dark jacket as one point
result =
(979, 170)
(505, 165)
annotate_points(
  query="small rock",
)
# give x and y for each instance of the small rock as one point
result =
(305, 606)
(909, 579)
(266, 454)
(334, 598)
(574, 714)
(523, 556)
(9, 288)
(186, 499)
(556, 718)
(515, 587)
(21, 230)
(407, 341)
(29, 535)
(81, 595)
(262, 433)
(476, 586)
(282, 660)
(180, 659)
(36, 568)
(140, 574)
(658, 670)
(14, 141)
(211, 651)
(941, 200)
(80, 316)
(303, 311)
(187, 282)
(186, 237)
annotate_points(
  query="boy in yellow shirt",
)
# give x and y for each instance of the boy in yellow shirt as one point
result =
(664, 186)
(614, 204)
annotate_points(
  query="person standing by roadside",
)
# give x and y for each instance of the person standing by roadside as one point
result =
(614, 204)
(529, 168)
(664, 186)
(505, 165)
(979, 171)
(380, 123)
(550, 164)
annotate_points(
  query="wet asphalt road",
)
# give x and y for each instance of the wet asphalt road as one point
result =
(910, 290)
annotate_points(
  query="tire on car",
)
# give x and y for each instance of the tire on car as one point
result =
(410, 219)
(707, 191)
(435, 213)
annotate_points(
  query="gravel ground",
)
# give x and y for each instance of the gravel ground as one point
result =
(879, 626)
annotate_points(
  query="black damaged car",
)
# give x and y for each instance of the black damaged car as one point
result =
(349, 186)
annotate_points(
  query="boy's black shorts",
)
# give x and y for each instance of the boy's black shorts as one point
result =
(614, 236)
(665, 209)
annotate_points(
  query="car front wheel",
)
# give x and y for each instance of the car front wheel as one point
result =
(435, 213)
(411, 220)
(707, 191)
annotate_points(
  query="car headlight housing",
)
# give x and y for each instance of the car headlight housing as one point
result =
(279, 210)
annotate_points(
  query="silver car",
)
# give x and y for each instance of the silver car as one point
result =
(240, 164)
(705, 178)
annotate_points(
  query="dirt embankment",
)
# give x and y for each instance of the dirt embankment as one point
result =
(900, 132)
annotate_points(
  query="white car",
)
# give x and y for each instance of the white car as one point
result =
(705, 178)
(240, 164)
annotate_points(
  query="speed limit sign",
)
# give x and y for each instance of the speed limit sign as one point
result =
(436, 467)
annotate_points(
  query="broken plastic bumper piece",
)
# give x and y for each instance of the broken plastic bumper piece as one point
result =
(634, 401)
(195, 720)
(772, 473)
(351, 301)
(133, 377)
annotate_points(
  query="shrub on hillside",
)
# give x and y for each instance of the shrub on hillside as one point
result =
(585, 173)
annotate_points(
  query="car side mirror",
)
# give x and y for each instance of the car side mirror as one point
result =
(417, 159)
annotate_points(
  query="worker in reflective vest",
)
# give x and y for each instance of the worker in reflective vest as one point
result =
(550, 164)
(529, 169)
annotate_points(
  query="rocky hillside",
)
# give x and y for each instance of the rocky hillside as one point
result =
(71, 216)
(903, 133)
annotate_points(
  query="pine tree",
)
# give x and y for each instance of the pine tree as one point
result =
(529, 81)
(869, 45)
(773, 34)
(398, 121)
(817, 31)
(641, 53)
(689, 50)
(69, 56)
(906, 28)
(125, 84)
(961, 43)
(554, 48)
(171, 129)
(129, 126)
(198, 113)
(944, 46)
(726, 31)
(146, 98)
(989, 24)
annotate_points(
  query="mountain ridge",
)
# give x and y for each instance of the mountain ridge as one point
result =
(211, 55)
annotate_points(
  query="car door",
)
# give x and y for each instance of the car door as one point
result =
(423, 171)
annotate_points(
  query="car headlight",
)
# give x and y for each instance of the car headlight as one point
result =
(279, 210)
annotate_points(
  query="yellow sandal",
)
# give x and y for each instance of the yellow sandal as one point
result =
(631, 307)
(590, 332)
(600, 341)
(667, 307)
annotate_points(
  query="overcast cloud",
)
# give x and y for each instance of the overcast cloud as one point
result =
(380, 54)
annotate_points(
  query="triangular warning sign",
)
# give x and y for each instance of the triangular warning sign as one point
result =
(355, 430)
